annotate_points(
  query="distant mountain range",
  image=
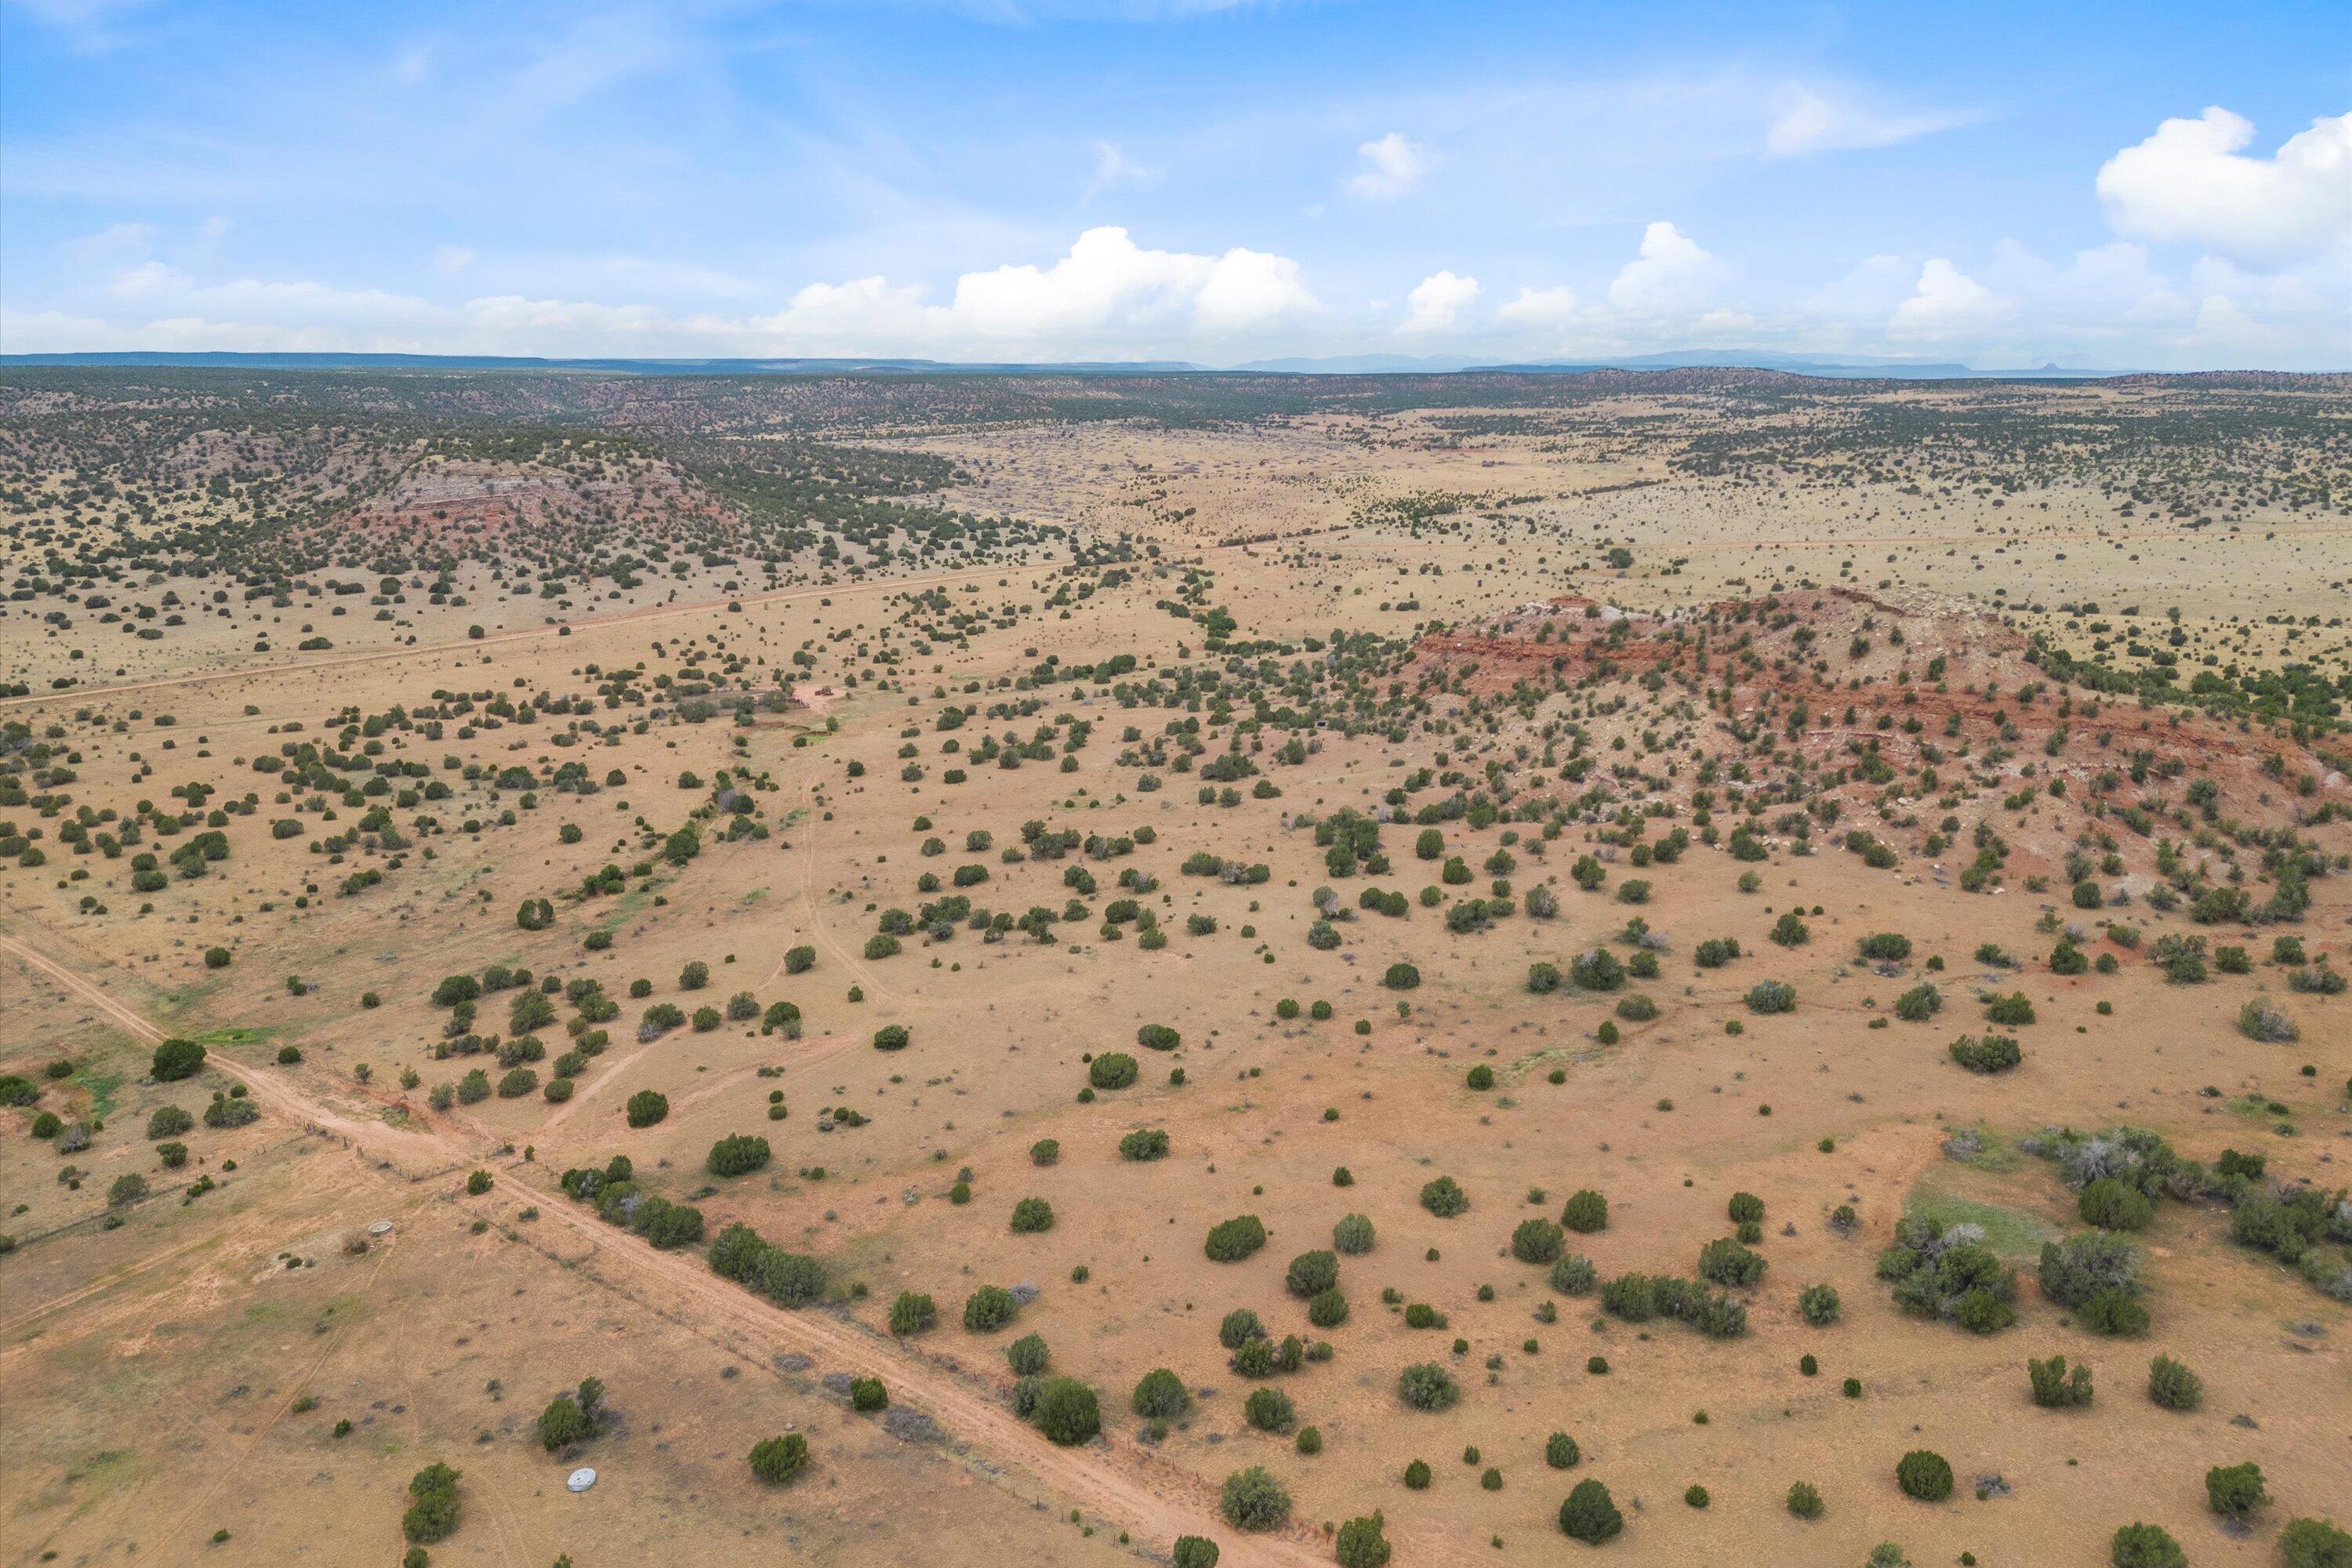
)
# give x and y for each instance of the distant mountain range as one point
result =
(1852, 366)
(1857, 366)
(1849, 367)
(225, 361)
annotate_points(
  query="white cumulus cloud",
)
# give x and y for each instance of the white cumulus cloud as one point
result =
(1249, 288)
(1107, 279)
(1107, 298)
(1672, 274)
(1394, 166)
(1868, 293)
(1540, 308)
(2193, 181)
(1437, 302)
(1947, 303)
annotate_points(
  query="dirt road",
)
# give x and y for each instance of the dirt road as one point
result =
(1115, 1478)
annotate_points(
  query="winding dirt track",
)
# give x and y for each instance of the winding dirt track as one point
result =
(1115, 1478)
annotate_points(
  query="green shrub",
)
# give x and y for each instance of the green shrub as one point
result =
(1253, 1500)
(1587, 1213)
(2146, 1546)
(2010, 1011)
(1144, 1143)
(669, 1225)
(1444, 1198)
(1360, 1544)
(1416, 1476)
(1158, 1038)
(1327, 1310)
(1112, 1069)
(1919, 1004)
(1193, 1551)
(175, 1059)
(1924, 1475)
(1067, 1411)
(2097, 1275)
(1574, 1275)
(989, 1308)
(776, 1460)
(1727, 1263)
(2053, 1387)
(2235, 1490)
(1312, 1273)
(737, 1155)
(1401, 977)
(1235, 1238)
(1032, 1217)
(1352, 1236)
(433, 1516)
(1818, 1305)
(1597, 970)
(572, 1417)
(1425, 1385)
(235, 1109)
(2172, 1386)
(1537, 1241)
(1990, 1054)
(1269, 1410)
(2111, 1206)
(890, 1038)
(2260, 1021)
(1560, 1451)
(912, 1312)
(867, 1394)
(646, 1108)
(1804, 1500)
(1772, 996)
(1948, 1275)
(1589, 1515)
(1161, 1395)
(2314, 1543)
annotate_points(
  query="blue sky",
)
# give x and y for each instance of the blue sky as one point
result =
(2157, 186)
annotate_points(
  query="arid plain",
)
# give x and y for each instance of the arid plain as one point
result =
(1711, 913)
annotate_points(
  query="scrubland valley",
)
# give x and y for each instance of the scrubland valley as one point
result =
(1678, 967)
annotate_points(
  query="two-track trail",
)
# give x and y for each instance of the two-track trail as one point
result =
(1114, 1478)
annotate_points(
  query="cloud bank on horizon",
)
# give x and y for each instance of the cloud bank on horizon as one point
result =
(1222, 182)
